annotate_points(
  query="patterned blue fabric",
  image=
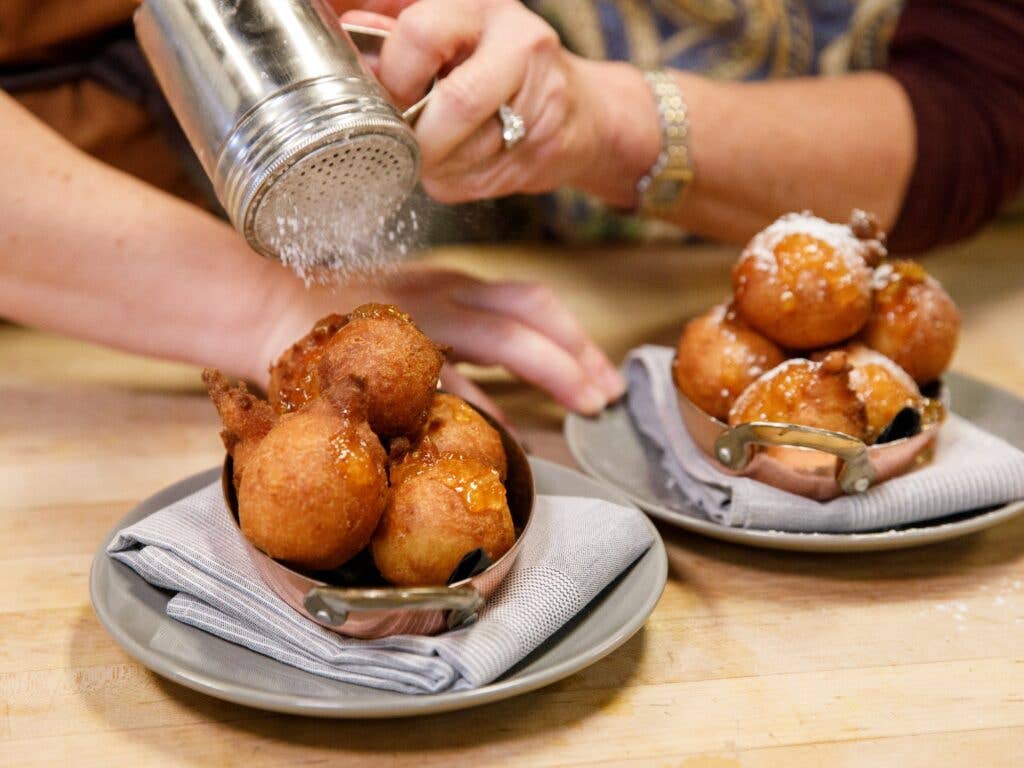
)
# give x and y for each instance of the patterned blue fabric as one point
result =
(722, 39)
(735, 39)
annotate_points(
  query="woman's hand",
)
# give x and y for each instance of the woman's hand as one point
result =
(582, 125)
(521, 326)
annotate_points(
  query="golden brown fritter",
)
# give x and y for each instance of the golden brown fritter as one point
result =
(453, 427)
(883, 387)
(718, 357)
(377, 343)
(807, 393)
(247, 419)
(293, 379)
(315, 487)
(914, 322)
(804, 282)
(440, 512)
(400, 366)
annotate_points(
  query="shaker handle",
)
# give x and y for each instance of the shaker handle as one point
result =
(377, 36)
(733, 449)
(332, 605)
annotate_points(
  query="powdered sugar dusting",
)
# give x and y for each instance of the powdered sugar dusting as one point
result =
(860, 356)
(783, 367)
(341, 210)
(325, 246)
(742, 402)
(839, 237)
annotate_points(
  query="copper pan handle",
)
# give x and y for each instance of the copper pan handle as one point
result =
(733, 449)
(332, 605)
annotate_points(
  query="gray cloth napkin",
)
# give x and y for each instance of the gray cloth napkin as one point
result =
(971, 469)
(575, 548)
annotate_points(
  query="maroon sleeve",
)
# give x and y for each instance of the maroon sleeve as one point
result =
(961, 63)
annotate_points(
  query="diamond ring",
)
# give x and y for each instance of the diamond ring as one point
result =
(513, 127)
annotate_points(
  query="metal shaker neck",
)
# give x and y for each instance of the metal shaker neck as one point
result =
(263, 89)
(217, 60)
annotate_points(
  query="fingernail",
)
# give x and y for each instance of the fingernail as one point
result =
(614, 384)
(591, 400)
(607, 377)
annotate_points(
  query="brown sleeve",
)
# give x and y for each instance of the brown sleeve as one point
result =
(30, 29)
(961, 63)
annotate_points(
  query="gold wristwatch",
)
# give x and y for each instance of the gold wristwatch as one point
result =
(660, 191)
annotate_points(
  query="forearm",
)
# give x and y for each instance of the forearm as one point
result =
(88, 251)
(761, 149)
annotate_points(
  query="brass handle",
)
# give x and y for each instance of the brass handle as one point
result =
(733, 449)
(373, 38)
(332, 605)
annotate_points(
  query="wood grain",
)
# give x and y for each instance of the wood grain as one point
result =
(752, 658)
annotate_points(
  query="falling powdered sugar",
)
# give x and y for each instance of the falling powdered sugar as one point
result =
(340, 210)
(324, 246)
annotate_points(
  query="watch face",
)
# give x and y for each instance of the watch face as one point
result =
(665, 191)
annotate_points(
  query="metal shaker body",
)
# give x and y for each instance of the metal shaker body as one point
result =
(282, 112)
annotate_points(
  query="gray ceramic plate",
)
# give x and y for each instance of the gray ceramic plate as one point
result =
(133, 612)
(611, 449)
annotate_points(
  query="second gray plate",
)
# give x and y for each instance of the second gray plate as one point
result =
(134, 613)
(610, 448)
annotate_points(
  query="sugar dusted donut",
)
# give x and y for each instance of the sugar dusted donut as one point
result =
(718, 357)
(805, 282)
(812, 394)
(914, 322)
(883, 387)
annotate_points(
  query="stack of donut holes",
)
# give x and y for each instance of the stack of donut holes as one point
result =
(356, 452)
(823, 330)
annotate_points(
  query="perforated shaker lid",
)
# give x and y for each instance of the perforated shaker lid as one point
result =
(333, 198)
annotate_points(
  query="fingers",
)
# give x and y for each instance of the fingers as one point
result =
(489, 339)
(428, 36)
(384, 7)
(537, 307)
(469, 96)
(457, 384)
(483, 145)
(369, 19)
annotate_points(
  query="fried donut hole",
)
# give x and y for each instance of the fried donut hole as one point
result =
(718, 357)
(883, 387)
(293, 378)
(376, 343)
(247, 419)
(914, 323)
(315, 487)
(438, 514)
(453, 427)
(812, 394)
(804, 282)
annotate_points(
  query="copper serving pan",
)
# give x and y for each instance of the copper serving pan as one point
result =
(369, 612)
(811, 462)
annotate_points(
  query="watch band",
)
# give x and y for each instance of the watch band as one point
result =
(660, 191)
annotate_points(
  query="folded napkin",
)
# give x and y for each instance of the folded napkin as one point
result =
(575, 547)
(971, 469)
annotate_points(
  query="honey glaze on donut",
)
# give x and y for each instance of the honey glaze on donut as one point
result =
(812, 394)
(914, 322)
(805, 282)
(718, 357)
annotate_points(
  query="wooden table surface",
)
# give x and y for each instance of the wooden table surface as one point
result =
(752, 658)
